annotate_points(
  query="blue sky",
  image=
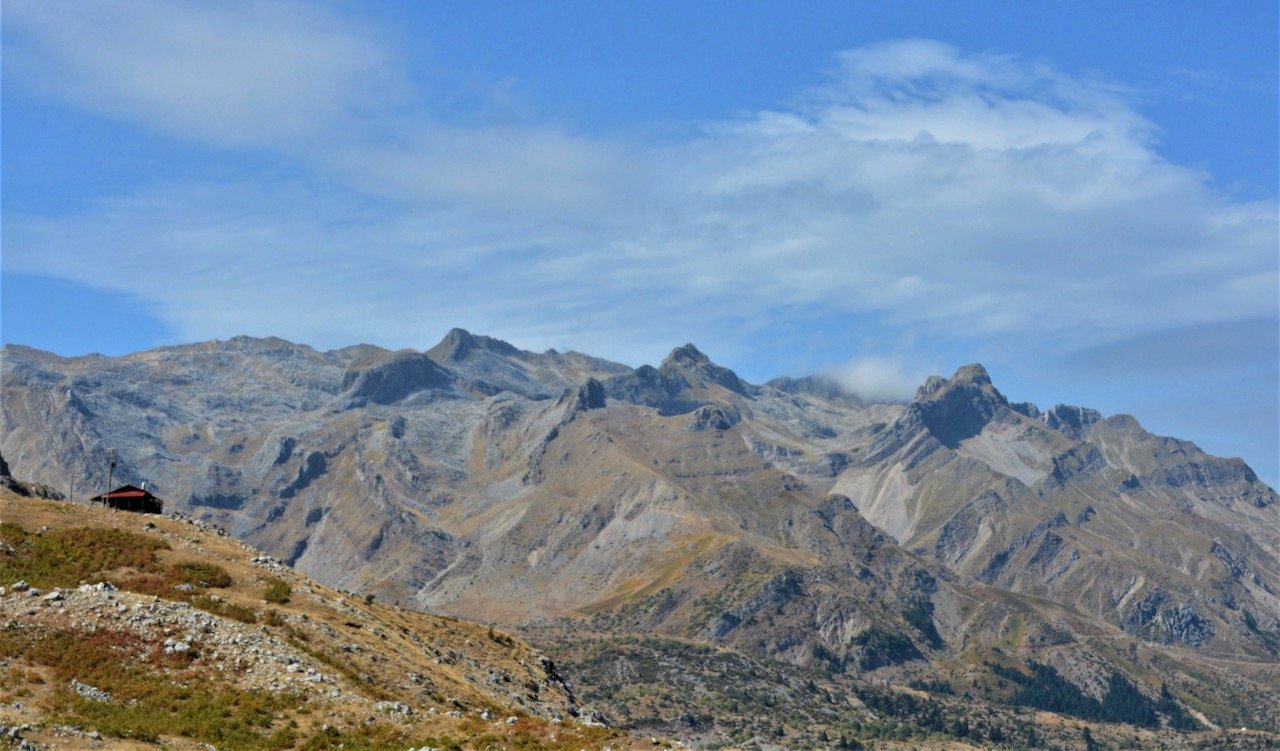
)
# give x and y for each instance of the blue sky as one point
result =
(1080, 196)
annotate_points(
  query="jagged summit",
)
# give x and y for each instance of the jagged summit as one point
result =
(1071, 420)
(959, 407)
(687, 354)
(458, 343)
(687, 363)
(972, 373)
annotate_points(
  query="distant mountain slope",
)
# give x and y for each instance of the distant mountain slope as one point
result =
(788, 521)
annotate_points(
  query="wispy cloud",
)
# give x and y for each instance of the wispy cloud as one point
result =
(233, 74)
(877, 379)
(974, 195)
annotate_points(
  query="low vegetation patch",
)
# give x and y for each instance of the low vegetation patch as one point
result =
(278, 591)
(201, 574)
(272, 617)
(66, 557)
(221, 607)
(140, 703)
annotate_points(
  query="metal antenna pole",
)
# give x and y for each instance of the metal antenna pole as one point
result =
(111, 471)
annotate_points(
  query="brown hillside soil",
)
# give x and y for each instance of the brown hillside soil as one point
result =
(135, 630)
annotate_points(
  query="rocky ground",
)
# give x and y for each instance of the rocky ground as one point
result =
(96, 665)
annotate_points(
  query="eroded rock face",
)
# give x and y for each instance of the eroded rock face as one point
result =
(590, 395)
(711, 418)
(389, 380)
(1158, 618)
(7, 481)
(689, 364)
(1072, 421)
(487, 481)
(961, 407)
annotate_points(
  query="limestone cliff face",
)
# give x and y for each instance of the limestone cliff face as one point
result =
(1096, 513)
(789, 519)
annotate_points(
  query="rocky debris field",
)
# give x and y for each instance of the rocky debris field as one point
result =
(244, 653)
(249, 656)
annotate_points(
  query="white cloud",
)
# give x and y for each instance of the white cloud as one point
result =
(237, 73)
(877, 379)
(974, 195)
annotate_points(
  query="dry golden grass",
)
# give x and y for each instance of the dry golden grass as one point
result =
(434, 665)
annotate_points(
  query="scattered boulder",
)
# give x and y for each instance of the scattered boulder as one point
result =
(91, 693)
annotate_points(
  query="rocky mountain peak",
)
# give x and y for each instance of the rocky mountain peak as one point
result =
(972, 373)
(259, 343)
(971, 382)
(458, 484)
(458, 343)
(930, 386)
(689, 364)
(590, 395)
(389, 379)
(959, 407)
(1071, 420)
(687, 355)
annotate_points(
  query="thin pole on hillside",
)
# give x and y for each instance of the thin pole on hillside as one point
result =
(111, 472)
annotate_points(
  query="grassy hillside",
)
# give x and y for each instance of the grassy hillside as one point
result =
(130, 631)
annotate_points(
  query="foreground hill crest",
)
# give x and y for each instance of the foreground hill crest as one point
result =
(176, 635)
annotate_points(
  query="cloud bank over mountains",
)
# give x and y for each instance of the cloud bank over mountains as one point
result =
(922, 189)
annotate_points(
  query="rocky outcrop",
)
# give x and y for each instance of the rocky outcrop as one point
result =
(1071, 421)
(7, 481)
(712, 418)
(313, 467)
(590, 395)
(959, 408)
(390, 380)
(1158, 618)
(650, 387)
(459, 344)
(688, 363)
(775, 593)
(1079, 461)
(222, 487)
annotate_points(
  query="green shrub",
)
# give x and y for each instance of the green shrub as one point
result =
(225, 609)
(202, 574)
(278, 591)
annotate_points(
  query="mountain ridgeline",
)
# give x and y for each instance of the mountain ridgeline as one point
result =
(952, 541)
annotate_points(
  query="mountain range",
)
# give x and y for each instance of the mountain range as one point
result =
(958, 542)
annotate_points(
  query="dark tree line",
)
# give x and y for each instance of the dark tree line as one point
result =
(1123, 702)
